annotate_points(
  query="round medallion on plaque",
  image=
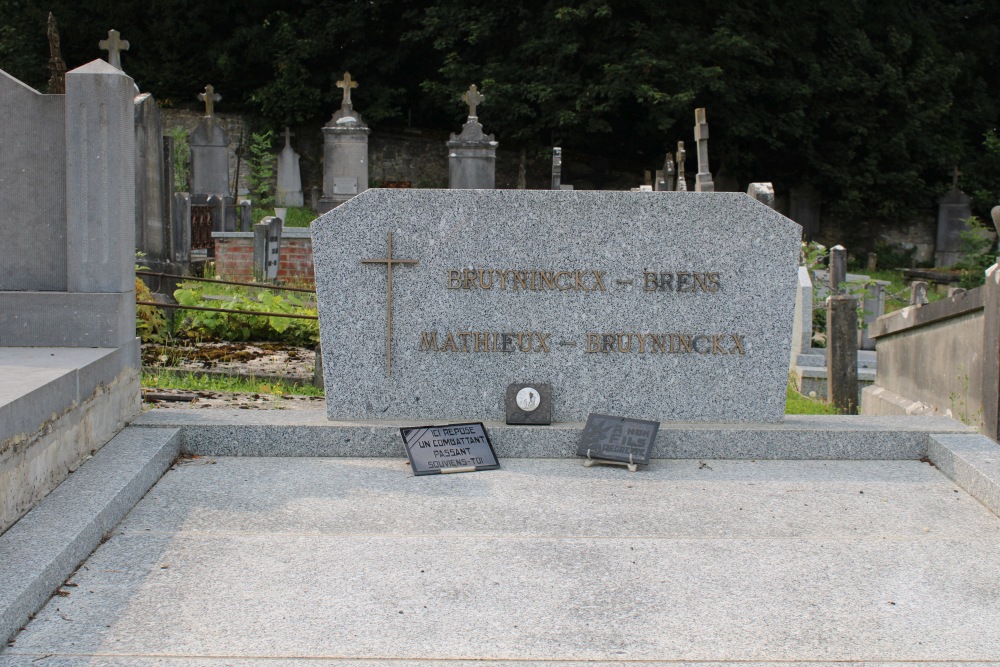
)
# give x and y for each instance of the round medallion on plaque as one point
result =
(528, 399)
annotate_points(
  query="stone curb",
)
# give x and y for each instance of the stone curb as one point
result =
(800, 437)
(972, 461)
(41, 550)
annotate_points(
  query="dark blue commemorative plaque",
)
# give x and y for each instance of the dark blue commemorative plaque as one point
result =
(450, 448)
(618, 439)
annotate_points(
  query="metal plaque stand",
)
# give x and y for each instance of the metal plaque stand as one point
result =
(632, 467)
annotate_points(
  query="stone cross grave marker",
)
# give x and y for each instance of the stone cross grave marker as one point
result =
(682, 185)
(209, 97)
(473, 98)
(661, 308)
(703, 179)
(114, 45)
(346, 84)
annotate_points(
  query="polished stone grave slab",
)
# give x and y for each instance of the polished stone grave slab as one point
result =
(660, 306)
(262, 561)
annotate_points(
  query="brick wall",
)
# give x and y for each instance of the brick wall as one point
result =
(234, 259)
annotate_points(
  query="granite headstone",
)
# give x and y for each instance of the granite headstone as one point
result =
(665, 306)
(289, 190)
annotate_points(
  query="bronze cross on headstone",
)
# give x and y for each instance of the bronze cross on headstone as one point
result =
(114, 45)
(389, 261)
(209, 97)
(473, 98)
(346, 83)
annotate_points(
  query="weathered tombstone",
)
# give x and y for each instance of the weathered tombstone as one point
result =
(556, 168)
(209, 150)
(472, 154)
(114, 45)
(267, 249)
(153, 187)
(873, 307)
(804, 208)
(246, 215)
(954, 211)
(703, 180)
(918, 293)
(57, 66)
(345, 151)
(682, 185)
(625, 304)
(842, 352)
(802, 326)
(871, 266)
(289, 191)
(838, 269)
(762, 192)
(665, 176)
(181, 227)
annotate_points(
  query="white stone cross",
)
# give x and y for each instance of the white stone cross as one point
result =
(209, 97)
(473, 98)
(346, 83)
(680, 157)
(288, 134)
(114, 45)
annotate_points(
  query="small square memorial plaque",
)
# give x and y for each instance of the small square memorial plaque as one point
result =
(449, 448)
(529, 404)
(618, 439)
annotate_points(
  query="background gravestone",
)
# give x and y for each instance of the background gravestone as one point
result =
(452, 347)
(472, 154)
(954, 209)
(289, 191)
(267, 249)
(345, 151)
(153, 184)
(209, 151)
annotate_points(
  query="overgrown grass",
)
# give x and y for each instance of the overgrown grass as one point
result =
(168, 379)
(300, 216)
(797, 404)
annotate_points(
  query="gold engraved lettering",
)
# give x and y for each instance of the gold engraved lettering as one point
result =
(681, 276)
(642, 342)
(548, 280)
(608, 343)
(483, 275)
(673, 339)
(713, 282)
(469, 278)
(533, 275)
(593, 343)
(738, 340)
(578, 284)
(694, 344)
(700, 282)
(658, 342)
(524, 341)
(464, 336)
(520, 280)
(449, 344)
(508, 342)
(627, 339)
(429, 341)
(599, 279)
(685, 343)
(559, 285)
(649, 282)
(503, 278)
(482, 341)
(454, 279)
(543, 342)
(667, 282)
(716, 348)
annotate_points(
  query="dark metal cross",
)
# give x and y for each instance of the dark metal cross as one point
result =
(346, 83)
(473, 98)
(954, 178)
(389, 262)
(114, 45)
(209, 97)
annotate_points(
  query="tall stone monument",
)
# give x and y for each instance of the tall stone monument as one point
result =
(472, 154)
(682, 184)
(954, 210)
(703, 180)
(289, 177)
(556, 168)
(209, 150)
(345, 151)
